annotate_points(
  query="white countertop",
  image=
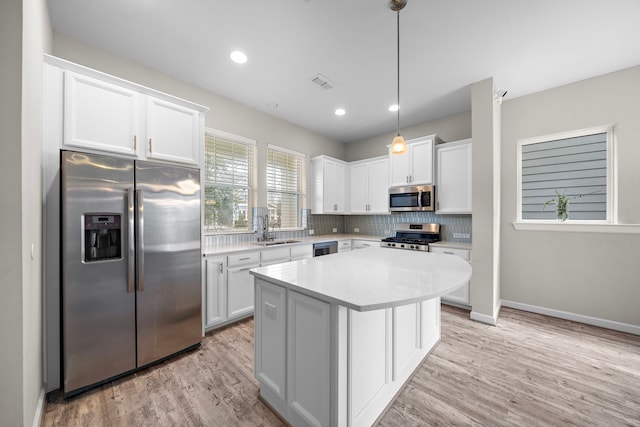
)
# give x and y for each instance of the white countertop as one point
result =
(371, 278)
(225, 248)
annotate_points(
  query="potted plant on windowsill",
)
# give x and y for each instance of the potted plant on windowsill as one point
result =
(562, 203)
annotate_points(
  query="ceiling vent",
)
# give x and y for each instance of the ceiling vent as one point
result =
(322, 81)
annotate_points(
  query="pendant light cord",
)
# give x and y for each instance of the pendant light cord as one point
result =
(398, 63)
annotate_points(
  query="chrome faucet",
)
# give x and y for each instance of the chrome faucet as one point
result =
(265, 228)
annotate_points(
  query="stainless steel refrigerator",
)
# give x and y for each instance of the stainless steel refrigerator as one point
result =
(131, 257)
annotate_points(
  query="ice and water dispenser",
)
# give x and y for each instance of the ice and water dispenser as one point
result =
(102, 233)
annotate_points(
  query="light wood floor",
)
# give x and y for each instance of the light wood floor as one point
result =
(530, 370)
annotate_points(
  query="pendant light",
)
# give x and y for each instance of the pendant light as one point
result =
(398, 146)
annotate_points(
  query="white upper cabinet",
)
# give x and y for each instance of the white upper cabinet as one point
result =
(173, 132)
(100, 115)
(329, 180)
(454, 180)
(369, 186)
(99, 112)
(415, 167)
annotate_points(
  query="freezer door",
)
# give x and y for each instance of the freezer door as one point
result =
(98, 299)
(169, 257)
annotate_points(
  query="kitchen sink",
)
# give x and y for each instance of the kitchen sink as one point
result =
(275, 242)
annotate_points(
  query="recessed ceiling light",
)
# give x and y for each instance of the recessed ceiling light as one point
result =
(238, 57)
(394, 107)
(272, 104)
(340, 112)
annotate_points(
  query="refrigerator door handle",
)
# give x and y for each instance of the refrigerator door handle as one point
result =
(131, 248)
(140, 237)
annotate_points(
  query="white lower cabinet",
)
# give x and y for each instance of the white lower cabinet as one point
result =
(371, 346)
(308, 355)
(229, 287)
(301, 252)
(270, 338)
(275, 256)
(216, 281)
(240, 283)
(344, 245)
(336, 366)
(460, 295)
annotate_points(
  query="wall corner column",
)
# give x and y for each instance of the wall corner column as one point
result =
(485, 124)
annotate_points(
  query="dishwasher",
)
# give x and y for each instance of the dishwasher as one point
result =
(325, 248)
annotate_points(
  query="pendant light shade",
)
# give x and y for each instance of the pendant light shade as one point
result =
(398, 146)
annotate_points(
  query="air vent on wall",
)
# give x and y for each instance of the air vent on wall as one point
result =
(322, 81)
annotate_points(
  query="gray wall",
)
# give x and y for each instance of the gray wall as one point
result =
(452, 128)
(11, 386)
(591, 274)
(24, 36)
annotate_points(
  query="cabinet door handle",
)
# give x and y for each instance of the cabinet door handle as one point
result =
(150, 146)
(135, 143)
(448, 253)
(220, 268)
(244, 259)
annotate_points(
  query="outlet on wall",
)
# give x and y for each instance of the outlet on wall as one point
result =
(461, 235)
(312, 232)
(356, 230)
(335, 230)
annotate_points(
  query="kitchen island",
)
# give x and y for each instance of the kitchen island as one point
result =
(337, 336)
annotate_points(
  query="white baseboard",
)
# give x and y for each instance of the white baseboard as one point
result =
(485, 318)
(37, 417)
(603, 323)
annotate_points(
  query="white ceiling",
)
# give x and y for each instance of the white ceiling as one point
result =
(445, 45)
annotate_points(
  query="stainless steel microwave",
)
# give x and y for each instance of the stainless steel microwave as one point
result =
(412, 198)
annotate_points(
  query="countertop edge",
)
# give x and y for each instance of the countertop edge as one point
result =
(390, 303)
(233, 248)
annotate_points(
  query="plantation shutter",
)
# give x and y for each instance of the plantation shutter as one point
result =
(575, 167)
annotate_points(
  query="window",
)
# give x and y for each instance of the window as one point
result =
(567, 177)
(286, 186)
(229, 186)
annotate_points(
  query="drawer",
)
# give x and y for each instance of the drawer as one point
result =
(344, 245)
(275, 255)
(462, 253)
(247, 258)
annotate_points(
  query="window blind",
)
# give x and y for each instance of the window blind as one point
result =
(286, 185)
(575, 167)
(228, 179)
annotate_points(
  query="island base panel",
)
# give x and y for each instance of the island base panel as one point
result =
(342, 367)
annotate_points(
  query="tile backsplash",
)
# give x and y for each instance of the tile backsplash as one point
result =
(370, 225)
(385, 225)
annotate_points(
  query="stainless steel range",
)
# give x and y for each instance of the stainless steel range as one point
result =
(413, 237)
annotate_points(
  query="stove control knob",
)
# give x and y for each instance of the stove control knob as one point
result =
(411, 247)
(402, 246)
